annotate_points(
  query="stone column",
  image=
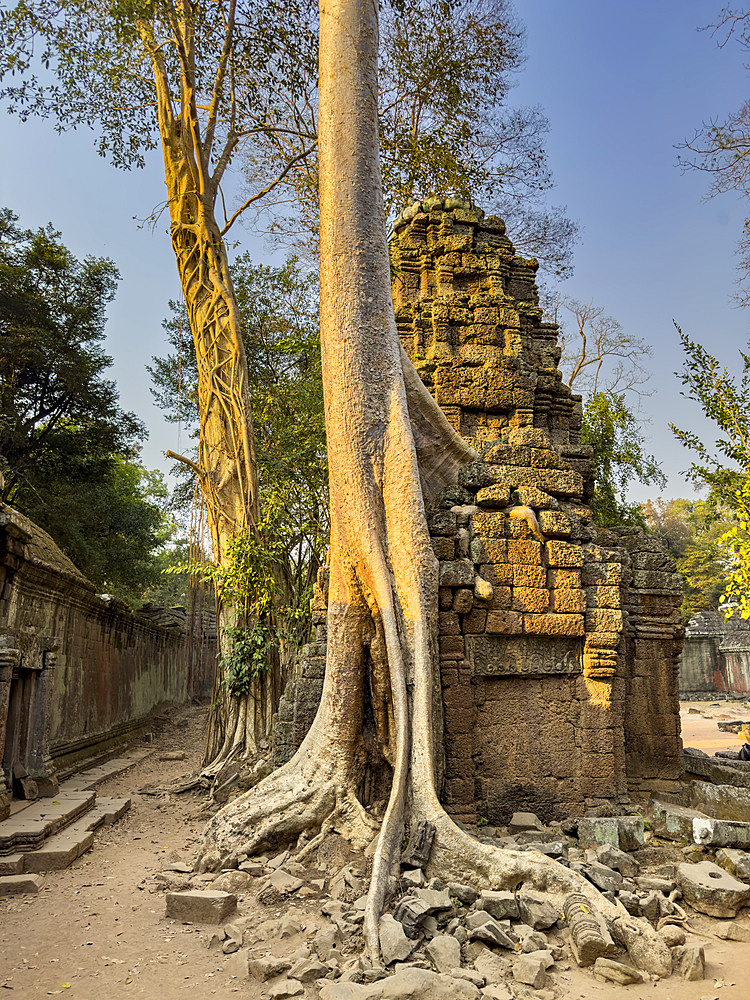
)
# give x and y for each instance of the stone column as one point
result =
(9, 656)
(39, 761)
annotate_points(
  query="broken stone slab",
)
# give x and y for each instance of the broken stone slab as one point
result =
(20, 884)
(410, 912)
(494, 969)
(530, 971)
(491, 933)
(307, 970)
(500, 905)
(436, 900)
(551, 849)
(616, 972)
(267, 967)
(717, 772)
(233, 881)
(625, 832)
(285, 989)
(12, 864)
(200, 906)
(620, 861)
(732, 930)
(604, 878)
(651, 883)
(496, 993)
(326, 940)
(281, 883)
(521, 821)
(467, 895)
(536, 911)
(672, 935)
(711, 890)
(589, 937)
(411, 983)
(413, 878)
(419, 848)
(722, 801)
(721, 833)
(647, 951)
(737, 863)
(444, 952)
(395, 946)
(689, 961)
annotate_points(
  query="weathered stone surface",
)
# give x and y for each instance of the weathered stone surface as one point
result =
(436, 900)
(444, 952)
(737, 863)
(616, 972)
(267, 967)
(537, 911)
(711, 890)
(11, 884)
(721, 833)
(530, 971)
(395, 946)
(465, 894)
(689, 961)
(307, 970)
(501, 905)
(285, 989)
(672, 935)
(410, 913)
(622, 862)
(491, 933)
(589, 936)
(494, 969)
(11, 864)
(674, 822)
(407, 984)
(733, 930)
(524, 821)
(200, 906)
(418, 850)
(234, 881)
(625, 832)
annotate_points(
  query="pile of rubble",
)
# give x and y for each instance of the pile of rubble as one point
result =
(452, 940)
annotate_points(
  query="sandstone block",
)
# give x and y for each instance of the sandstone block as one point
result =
(444, 952)
(709, 889)
(11, 864)
(501, 599)
(525, 551)
(613, 857)
(689, 961)
(457, 573)
(616, 972)
(200, 906)
(395, 946)
(625, 832)
(553, 624)
(603, 620)
(463, 601)
(530, 971)
(554, 524)
(494, 497)
(674, 822)
(20, 884)
(601, 573)
(504, 623)
(732, 930)
(737, 863)
(530, 599)
(564, 579)
(285, 989)
(416, 984)
(490, 526)
(571, 602)
(537, 911)
(562, 554)
(495, 549)
(603, 597)
(525, 575)
(532, 496)
(500, 905)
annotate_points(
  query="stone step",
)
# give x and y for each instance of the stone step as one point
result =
(60, 850)
(88, 780)
(19, 883)
(27, 829)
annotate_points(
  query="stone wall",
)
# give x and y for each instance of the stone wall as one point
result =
(559, 641)
(78, 671)
(715, 658)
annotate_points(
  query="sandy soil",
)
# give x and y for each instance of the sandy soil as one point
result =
(98, 929)
(699, 724)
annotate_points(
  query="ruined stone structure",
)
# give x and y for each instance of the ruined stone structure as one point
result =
(78, 672)
(559, 642)
(715, 657)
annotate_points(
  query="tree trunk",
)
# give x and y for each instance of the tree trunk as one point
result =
(226, 450)
(389, 445)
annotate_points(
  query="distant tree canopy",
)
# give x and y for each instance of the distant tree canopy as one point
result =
(68, 453)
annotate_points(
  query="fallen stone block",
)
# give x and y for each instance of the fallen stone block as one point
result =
(285, 989)
(589, 937)
(416, 984)
(672, 935)
(233, 881)
(721, 801)
(711, 890)
(732, 931)
(418, 850)
(436, 900)
(721, 833)
(19, 883)
(395, 946)
(444, 952)
(307, 970)
(737, 863)
(689, 961)
(501, 905)
(650, 883)
(200, 906)
(616, 972)
(465, 894)
(494, 969)
(496, 993)
(410, 913)
(491, 933)
(530, 971)
(536, 911)
(620, 861)
(267, 967)
(524, 821)
(625, 832)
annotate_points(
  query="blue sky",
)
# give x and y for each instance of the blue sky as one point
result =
(621, 83)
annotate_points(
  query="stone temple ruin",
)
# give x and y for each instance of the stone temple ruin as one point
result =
(559, 641)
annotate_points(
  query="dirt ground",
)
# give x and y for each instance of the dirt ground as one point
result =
(699, 724)
(98, 929)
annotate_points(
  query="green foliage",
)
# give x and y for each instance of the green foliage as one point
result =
(692, 531)
(67, 451)
(725, 400)
(614, 433)
(246, 653)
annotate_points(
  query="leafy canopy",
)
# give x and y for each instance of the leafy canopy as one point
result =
(68, 453)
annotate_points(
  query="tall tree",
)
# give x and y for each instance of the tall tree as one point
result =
(68, 453)
(388, 441)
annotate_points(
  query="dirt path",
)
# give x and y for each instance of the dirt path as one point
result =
(699, 720)
(98, 930)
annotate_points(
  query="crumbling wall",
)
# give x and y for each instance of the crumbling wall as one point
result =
(559, 642)
(77, 670)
